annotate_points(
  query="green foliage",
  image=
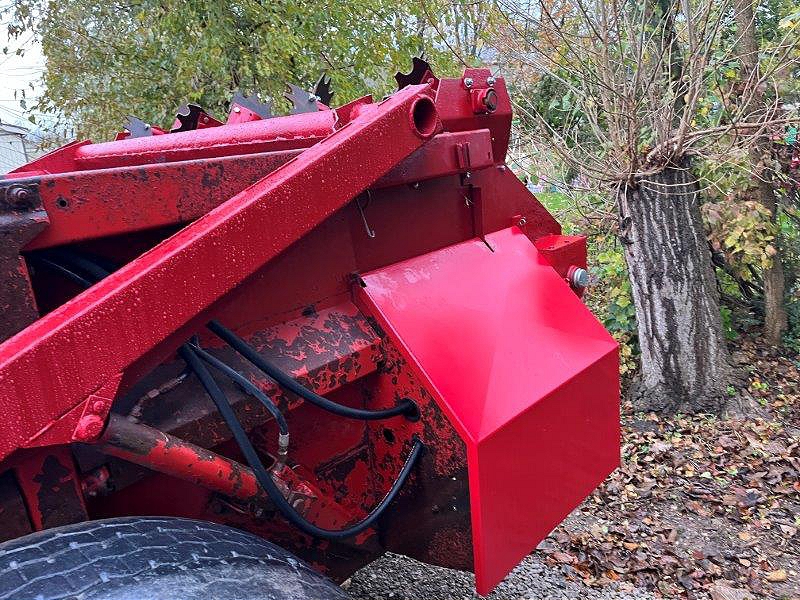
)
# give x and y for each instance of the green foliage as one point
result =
(610, 298)
(790, 238)
(619, 314)
(792, 337)
(744, 232)
(146, 57)
(728, 327)
(554, 202)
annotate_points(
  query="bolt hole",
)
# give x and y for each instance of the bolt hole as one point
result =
(62, 203)
(388, 435)
(423, 116)
(490, 101)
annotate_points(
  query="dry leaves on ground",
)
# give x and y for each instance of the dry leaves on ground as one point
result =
(701, 507)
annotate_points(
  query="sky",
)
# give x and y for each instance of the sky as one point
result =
(17, 73)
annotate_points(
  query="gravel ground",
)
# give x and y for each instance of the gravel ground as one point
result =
(396, 577)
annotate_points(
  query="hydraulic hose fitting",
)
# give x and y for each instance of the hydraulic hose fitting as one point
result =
(283, 452)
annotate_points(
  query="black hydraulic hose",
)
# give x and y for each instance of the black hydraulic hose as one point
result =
(62, 270)
(248, 385)
(98, 272)
(194, 356)
(75, 260)
(405, 407)
(264, 479)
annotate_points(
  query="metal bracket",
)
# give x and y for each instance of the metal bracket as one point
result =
(22, 218)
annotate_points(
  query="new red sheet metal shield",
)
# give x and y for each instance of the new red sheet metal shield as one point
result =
(526, 374)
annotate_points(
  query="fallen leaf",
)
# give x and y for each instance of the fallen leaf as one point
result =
(563, 557)
(630, 545)
(720, 591)
(777, 576)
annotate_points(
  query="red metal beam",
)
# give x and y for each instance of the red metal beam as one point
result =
(83, 205)
(268, 135)
(57, 362)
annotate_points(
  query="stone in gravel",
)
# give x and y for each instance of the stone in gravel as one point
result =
(723, 591)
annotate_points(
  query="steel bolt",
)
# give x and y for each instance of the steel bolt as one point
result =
(19, 197)
(19, 194)
(468, 82)
(236, 109)
(88, 428)
(491, 81)
(522, 221)
(578, 277)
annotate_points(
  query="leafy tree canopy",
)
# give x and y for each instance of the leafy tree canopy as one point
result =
(106, 60)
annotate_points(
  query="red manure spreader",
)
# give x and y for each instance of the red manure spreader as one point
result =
(243, 359)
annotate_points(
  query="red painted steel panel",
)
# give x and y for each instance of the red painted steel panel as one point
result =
(83, 205)
(526, 373)
(62, 358)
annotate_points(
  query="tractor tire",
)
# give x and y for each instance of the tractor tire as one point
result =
(154, 558)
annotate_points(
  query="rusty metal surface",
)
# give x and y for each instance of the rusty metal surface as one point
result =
(324, 350)
(22, 217)
(129, 310)
(51, 488)
(431, 519)
(159, 451)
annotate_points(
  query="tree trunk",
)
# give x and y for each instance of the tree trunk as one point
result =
(685, 365)
(775, 318)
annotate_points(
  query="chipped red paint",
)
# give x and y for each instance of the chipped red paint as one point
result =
(283, 215)
(164, 453)
(50, 486)
(435, 505)
(324, 350)
(131, 302)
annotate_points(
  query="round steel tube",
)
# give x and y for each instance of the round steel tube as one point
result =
(268, 135)
(159, 451)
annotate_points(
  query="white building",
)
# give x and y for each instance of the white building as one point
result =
(16, 147)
